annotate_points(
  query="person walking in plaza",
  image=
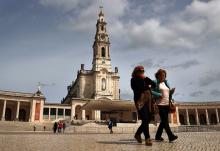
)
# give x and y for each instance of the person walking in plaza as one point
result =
(55, 127)
(44, 128)
(35, 127)
(59, 126)
(64, 126)
(163, 94)
(110, 125)
(142, 98)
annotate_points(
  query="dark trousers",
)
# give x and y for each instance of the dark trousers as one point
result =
(145, 117)
(164, 122)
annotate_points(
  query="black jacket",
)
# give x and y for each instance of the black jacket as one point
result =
(140, 85)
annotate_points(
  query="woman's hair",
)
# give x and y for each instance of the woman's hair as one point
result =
(159, 72)
(137, 70)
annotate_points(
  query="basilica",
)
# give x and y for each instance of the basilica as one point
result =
(95, 96)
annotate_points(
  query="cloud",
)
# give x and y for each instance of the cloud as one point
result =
(184, 65)
(196, 26)
(215, 92)
(149, 63)
(146, 63)
(196, 93)
(83, 20)
(189, 29)
(126, 94)
(65, 5)
(209, 78)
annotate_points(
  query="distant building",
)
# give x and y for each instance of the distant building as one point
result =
(95, 95)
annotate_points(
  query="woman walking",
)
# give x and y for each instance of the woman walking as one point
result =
(163, 95)
(142, 97)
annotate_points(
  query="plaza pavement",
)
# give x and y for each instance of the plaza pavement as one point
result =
(194, 141)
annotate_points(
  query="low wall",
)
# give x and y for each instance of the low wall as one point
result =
(153, 129)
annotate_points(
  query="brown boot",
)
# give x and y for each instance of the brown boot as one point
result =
(138, 138)
(148, 142)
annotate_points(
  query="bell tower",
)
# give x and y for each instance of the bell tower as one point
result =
(101, 54)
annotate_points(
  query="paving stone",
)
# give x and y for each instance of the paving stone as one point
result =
(194, 141)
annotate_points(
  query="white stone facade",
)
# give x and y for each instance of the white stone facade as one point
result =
(100, 82)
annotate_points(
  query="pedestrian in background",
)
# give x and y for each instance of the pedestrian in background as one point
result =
(55, 127)
(64, 126)
(110, 125)
(44, 128)
(35, 127)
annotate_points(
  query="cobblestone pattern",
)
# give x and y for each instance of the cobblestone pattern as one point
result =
(204, 141)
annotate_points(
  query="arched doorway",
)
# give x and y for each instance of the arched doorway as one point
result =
(213, 119)
(22, 115)
(8, 114)
(78, 112)
(182, 119)
(192, 119)
(202, 119)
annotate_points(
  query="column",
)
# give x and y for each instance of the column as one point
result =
(3, 111)
(30, 112)
(49, 114)
(33, 110)
(83, 114)
(197, 117)
(187, 117)
(171, 118)
(56, 113)
(17, 111)
(177, 116)
(207, 117)
(217, 117)
(64, 112)
(98, 115)
(72, 112)
(41, 110)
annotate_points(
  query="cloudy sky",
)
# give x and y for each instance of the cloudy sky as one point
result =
(47, 40)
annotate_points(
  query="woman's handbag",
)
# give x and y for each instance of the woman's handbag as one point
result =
(154, 107)
(172, 106)
(144, 98)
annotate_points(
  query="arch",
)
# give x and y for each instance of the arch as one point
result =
(102, 28)
(103, 52)
(202, 119)
(22, 115)
(78, 112)
(88, 114)
(104, 98)
(192, 119)
(8, 114)
(182, 119)
(104, 70)
(213, 119)
(103, 84)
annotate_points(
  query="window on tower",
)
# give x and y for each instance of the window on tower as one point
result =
(102, 28)
(103, 52)
(103, 84)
